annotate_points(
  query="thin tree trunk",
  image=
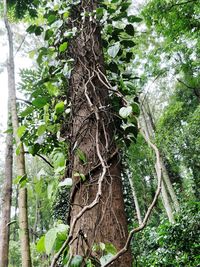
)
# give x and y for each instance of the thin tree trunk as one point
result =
(166, 203)
(15, 216)
(22, 201)
(164, 194)
(169, 186)
(150, 131)
(137, 207)
(97, 209)
(6, 202)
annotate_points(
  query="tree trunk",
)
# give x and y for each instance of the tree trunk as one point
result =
(137, 207)
(150, 131)
(22, 201)
(169, 185)
(166, 203)
(97, 208)
(6, 202)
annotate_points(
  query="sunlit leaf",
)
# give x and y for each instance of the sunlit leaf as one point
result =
(67, 182)
(113, 50)
(59, 108)
(21, 130)
(63, 47)
(125, 111)
(50, 239)
(41, 245)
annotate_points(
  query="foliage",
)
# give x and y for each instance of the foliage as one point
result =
(23, 6)
(171, 244)
(178, 131)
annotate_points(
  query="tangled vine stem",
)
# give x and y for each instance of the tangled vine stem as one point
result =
(69, 240)
(91, 205)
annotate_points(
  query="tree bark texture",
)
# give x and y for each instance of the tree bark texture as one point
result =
(6, 202)
(91, 132)
(22, 200)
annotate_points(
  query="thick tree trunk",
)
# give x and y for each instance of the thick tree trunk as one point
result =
(91, 133)
(22, 201)
(6, 202)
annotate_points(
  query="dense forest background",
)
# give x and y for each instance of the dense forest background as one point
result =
(151, 52)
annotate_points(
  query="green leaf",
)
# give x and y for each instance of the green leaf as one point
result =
(63, 47)
(130, 29)
(51, 18)
(113, 67)
(89, 263)
(125, 111)
(41, 129)
(128, 43)
(21, 130)
(27, 111)
(17, 179)
(133, 19)
(58, 159)
(35, 29)
(81, 155)
(21, 180)
(34, 149)
(99, 12)
(66, 15)
(48, 34)
(50, 239)
(41, 245)
(18, 149)
(76, 261)
(40, 102)
(113, 50)
(9, 131)
(50, 190)
(110, 248)
(135, 109)
(130, 86)
(125, 5)
(60, 107)
(38, 30)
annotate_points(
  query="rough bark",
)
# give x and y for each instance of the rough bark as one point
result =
(22, 200)
(6, 202)
(91, 132)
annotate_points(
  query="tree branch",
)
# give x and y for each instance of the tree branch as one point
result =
(181, 3)
(189, 87)
(43, 158)
(24, 100)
